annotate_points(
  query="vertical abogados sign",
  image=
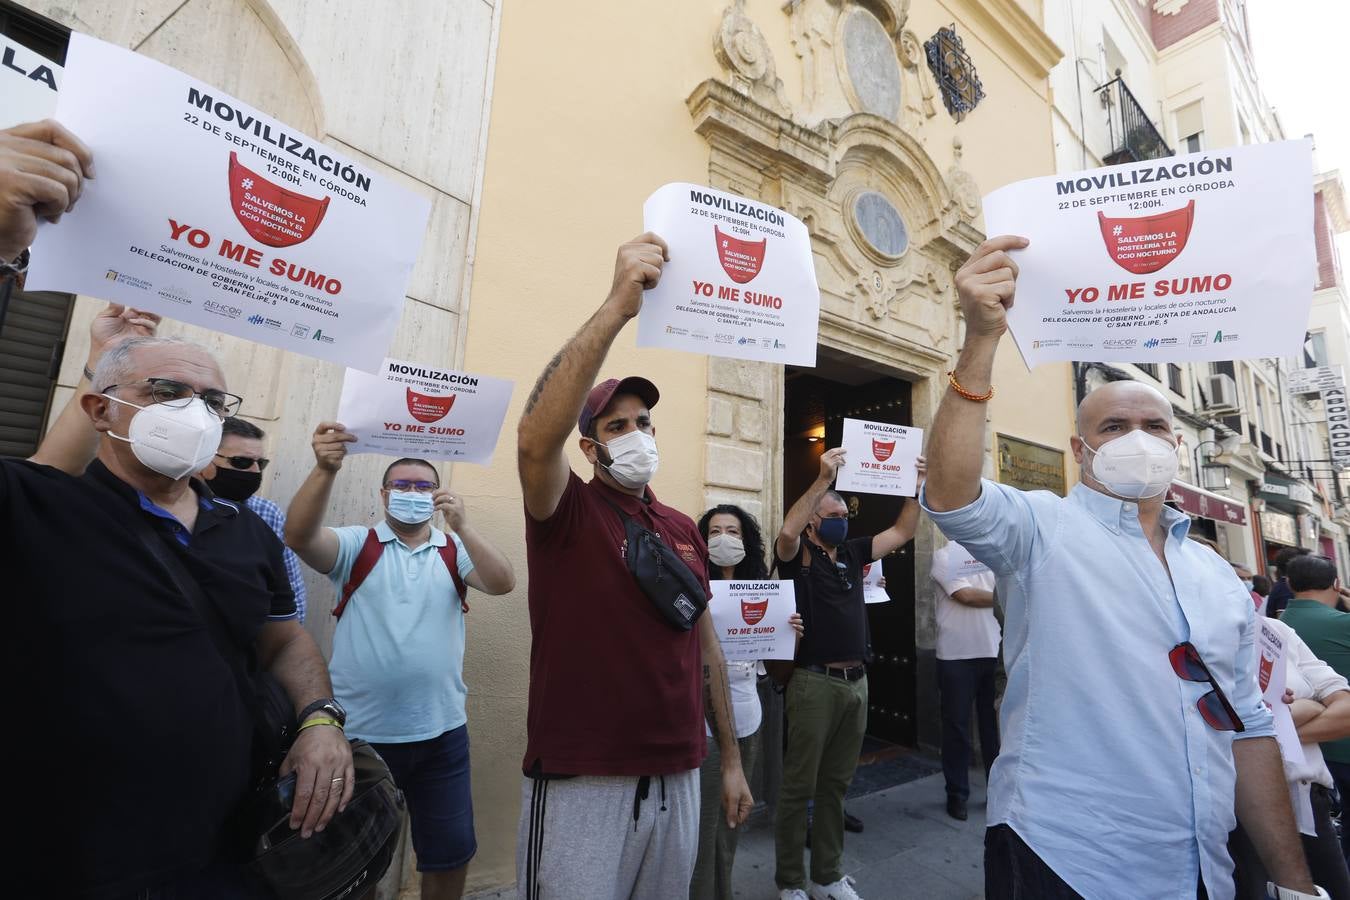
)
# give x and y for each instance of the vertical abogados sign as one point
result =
(740, 282)
(1198, 257)
(211, 212)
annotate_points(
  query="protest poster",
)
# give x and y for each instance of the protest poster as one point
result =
(957, 563)
(740, 282)
(751, 618)
(1270, 676)
(1205, 256)
(879, 458)
(873, 592)
(210, 212)
(28, 84)
(412, 409)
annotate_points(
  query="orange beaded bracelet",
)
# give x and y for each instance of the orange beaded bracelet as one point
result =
(977, 398)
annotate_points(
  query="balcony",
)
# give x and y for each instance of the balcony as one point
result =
(1132, 135)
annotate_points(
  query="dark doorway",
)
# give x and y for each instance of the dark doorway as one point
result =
(818, 400)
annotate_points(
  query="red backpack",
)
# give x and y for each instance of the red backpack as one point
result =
(370, 554)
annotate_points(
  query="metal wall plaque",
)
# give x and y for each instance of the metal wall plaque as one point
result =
(954, 72)
(1030, 467)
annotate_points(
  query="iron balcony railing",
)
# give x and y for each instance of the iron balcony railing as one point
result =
(1133, 136)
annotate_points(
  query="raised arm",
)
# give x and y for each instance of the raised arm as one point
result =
(790, 536)
(906, 524)
(492, 572)
(72, 443)
(555, 403)
(305, 534)
(956, 441)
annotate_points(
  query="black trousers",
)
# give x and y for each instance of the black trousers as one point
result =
(1325, 860)
(1013, 871)
(961, 684)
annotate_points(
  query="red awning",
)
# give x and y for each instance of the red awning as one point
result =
(1199, 502)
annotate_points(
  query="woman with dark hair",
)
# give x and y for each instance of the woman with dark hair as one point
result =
(735, 553)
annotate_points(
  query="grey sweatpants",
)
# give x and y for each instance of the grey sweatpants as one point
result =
(597, 837)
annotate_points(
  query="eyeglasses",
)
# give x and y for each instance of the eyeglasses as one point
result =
(420, 487)
(245, 462)
(176, 394)
(843, 575)
(1214, 707)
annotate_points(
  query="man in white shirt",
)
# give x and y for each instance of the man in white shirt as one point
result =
(967, 660)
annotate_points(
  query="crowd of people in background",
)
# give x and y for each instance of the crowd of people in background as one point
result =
(1135, 756)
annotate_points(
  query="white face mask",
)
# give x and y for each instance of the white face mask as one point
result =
(1137, 466)
(725, 549)
(176, 441)
(633, 459)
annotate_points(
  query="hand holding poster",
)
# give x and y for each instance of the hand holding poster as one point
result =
(410, 409)
(741, 280)
(879, 458)
(751, 618)
(211, 212)
(1197, 257)
(873, 592)
(1270, 676)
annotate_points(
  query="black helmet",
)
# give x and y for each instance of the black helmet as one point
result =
(349, 855)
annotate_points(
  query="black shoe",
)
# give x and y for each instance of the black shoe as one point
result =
(852, 823)
(956, 808)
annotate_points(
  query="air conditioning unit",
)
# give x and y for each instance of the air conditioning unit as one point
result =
(1221, 393)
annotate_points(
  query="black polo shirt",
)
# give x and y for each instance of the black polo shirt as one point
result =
(830, 599)
(129, 740)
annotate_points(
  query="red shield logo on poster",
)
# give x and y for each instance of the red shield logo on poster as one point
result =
(426, 408)
(867, 568)
(270, 213)
(741, 260)
(1263, 675)
(752, 612)
(882, 450)
(1147, 243)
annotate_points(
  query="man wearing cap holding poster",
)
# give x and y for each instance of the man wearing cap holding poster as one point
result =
(618, 695)
(1133, 727)
(398, 649)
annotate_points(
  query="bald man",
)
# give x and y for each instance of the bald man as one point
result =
(1132, 725)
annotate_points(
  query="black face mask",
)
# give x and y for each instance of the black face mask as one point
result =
(231, 484)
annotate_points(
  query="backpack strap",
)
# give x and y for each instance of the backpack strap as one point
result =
(370, 554)
(450, 555)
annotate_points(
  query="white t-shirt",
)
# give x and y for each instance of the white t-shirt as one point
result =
(964, 632)
(744, 678)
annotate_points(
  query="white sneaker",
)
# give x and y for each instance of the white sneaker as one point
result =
(792, 894)
(840, 890)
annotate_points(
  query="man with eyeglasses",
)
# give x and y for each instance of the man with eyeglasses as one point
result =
(398, 649)
(826, 697)
(137, 750)
(235, 474)
(1132, 724)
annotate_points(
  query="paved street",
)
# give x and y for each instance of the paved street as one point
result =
(909, 848)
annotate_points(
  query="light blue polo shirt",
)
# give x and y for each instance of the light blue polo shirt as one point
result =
(398, 652)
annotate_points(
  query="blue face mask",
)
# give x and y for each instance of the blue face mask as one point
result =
(411, 507)
(832, 531)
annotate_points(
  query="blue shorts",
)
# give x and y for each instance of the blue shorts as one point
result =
(434, 778)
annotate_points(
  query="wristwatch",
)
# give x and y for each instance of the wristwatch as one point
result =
(328, 706)
(1275, 892)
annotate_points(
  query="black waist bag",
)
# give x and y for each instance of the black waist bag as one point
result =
(668, 583)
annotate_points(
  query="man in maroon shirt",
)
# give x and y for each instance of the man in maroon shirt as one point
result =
(609, 802)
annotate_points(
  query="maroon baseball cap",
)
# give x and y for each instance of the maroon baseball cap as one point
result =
(597, 401)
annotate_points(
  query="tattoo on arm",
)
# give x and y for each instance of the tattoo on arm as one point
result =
(723, 731)
(543, 380)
